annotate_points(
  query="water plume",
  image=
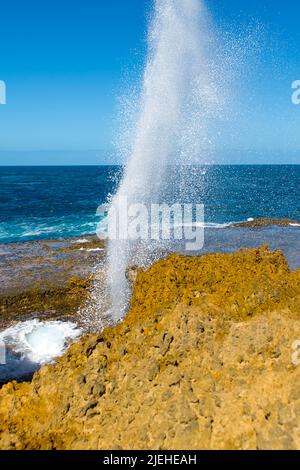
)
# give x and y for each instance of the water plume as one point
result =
(178, 94)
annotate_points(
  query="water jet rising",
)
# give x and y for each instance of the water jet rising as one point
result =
(178, 95)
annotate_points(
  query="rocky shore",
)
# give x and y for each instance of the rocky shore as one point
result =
(203, 360)
(47, 279)
(52, 278)
(267, 222)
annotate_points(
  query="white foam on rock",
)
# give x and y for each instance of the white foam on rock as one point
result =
(91, 249)
(80, 240)
(32, 343)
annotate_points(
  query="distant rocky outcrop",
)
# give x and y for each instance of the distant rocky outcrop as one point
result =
(266, 222)
(203, 360)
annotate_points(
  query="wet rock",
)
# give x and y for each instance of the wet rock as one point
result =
(131, 274)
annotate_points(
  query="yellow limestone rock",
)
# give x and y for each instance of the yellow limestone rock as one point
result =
(203, 360)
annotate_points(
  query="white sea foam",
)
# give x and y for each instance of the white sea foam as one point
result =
(91, 249)
(37, 341)
(208, 225)
(39, 230)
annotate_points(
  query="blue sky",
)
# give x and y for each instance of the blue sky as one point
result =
(66, 63)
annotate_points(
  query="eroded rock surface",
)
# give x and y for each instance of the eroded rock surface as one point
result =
(202, 360)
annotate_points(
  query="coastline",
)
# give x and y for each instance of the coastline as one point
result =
(183, 367)
(51, 279)
(149, 231)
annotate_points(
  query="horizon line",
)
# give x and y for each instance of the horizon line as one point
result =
(124, 164)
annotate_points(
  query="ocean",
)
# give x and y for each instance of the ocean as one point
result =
(59, 203)
(39, 203)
